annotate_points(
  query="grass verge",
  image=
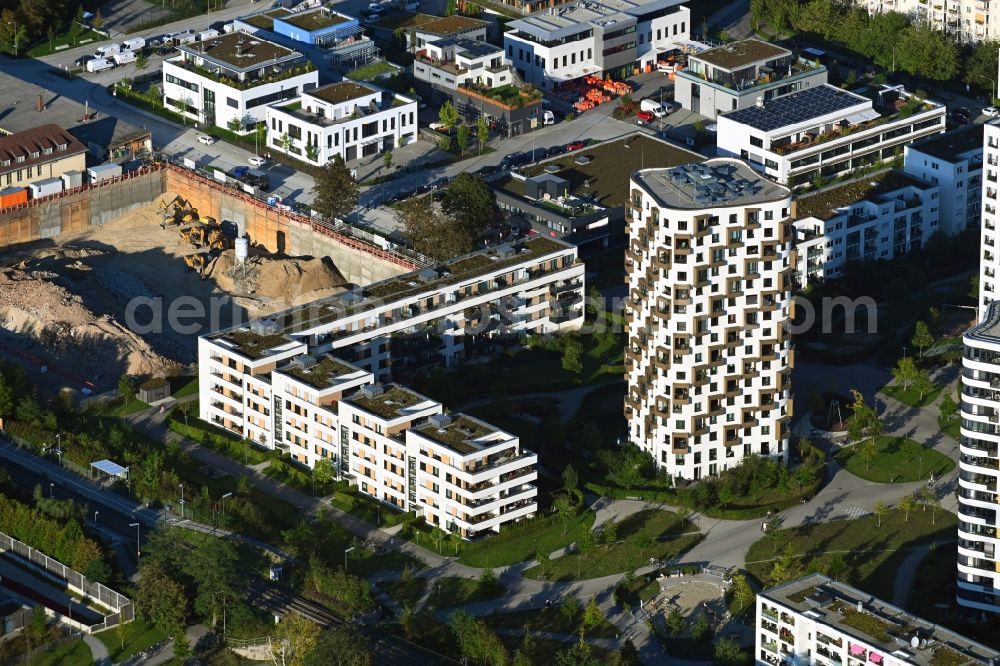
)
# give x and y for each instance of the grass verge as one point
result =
(454, 591)
(911, 397)
(521, 541)
(896, 460)
(551, 619)
(138, 637)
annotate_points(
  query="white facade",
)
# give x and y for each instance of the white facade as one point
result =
(989, 246)
(450, 63)
(205, 86)
(966, 20)
(708, 359)
(585, 37)
(840, 132)
(978, 559)
(348, 119)
(878, 217)
(954, 162)
(395, 445)
(815, 620)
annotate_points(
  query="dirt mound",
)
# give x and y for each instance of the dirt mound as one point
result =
(275, 277)
(34, 309)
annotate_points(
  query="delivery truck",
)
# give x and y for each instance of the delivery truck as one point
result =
(99, 65)
(107, 50)
(134, 44)
(123, 57)
(657, 108)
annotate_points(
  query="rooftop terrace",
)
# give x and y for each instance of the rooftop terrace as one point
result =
(459, 434)
(824, 204)
(741, 54)
(879, 624)
(716, 183)
(315, 19)
(322, 374)
(265, 20)
(392, 402)
(239, 51)
(405, 21)
(250, 344)
(450, 25)
(338, 93)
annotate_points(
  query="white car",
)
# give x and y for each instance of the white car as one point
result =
(991, 111)
(256, 161)
(205, 139)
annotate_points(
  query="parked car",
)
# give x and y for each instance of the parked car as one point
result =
(575, 145)
(205, 139)
(489, 170)
(991, 111)
(961, 115)
(645, 116)
(555, 150)
(256, 160)
(83, 60)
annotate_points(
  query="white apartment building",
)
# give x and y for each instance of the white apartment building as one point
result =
(235, 76)
(348, 119)
(825, 131)
(954, 162)
(707, 358)
(593, 37)
(966, 20)
(978, 559)
(737, 75)
(396, 445)
(877, 217)
(450, 63)
(815, 620)
(989, 286)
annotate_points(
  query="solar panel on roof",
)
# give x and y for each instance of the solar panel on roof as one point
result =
(796, 107)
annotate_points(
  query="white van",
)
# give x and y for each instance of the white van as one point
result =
(653, 106)
(123, 57)
(134, 44)
(548, 118)
(106, 50)
(99, 65)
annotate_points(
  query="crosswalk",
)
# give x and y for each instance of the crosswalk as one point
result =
(856, 512)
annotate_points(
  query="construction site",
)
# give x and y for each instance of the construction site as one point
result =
(131, 294)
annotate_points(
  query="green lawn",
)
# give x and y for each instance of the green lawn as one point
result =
(453, 591)
(71, 654)
(138, 637)
(405, 592)
(367, 509)
(669, 535)
(371, 71)
(520, 541)
(550, 619)
(951, 427)
(866, 553)
(893, 462)
(190, 388)
(46, 47)
(909, 396)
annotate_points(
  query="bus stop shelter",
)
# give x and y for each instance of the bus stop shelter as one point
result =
(108, 471)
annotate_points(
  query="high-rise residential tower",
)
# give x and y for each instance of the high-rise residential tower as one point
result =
(708, 357)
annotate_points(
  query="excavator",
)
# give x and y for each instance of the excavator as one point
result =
(177, 211)
(196, 262)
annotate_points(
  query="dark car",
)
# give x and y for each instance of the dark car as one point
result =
(576, 145)
(83, 60)
(486, 171)
(555, 150)
(218, 25)
(961, 115)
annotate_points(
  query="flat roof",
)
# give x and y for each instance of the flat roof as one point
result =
(321, 374)
(405, 20)
(823, 205)
(880, 624)
(951, 146)
(988, 330)
(797, 107)
(314, 19)
(110, 468)
(450, 25)
(460, 434)
(239, 51)
(742, 53)
(265, 20)
(391, 402)
(572, 17)
(471, 48)
(713, 184)
(251, 344)
(345, 91)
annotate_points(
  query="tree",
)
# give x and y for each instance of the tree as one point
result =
(592, 615)
(432, 234)
(587, 543)
(182, 648)
(98, 20)
(50, 33)
(235, 125)
(675, 623)
(572, 355)
(610, 532)
(928, 52)
(563, 507)
(76, 26)
(471, 204)
(725, 494)
(974, 287)
(570, 607)
(324, 471)
(922, 337)
(285, 141)
(463, 137)
(261, 135)
(864, 426)
(437, 535)
(448, 115)
(312, 152)
(701, 630)
(727, 652)
(477, 642)
(387, 160)
(922, 384)
(487, 582)
(905, 371)
(302, 636)
(335, 192)
(126, 387)
(642, 541)
(142, 61)
(214, 566)
(742, 592)
(482, 133)
(869, 449)
(6, 399)
(906, 505)
(341, 646)
(159, 599)
(570, 478)
(881, 510)
(948, 407)
(627, 655)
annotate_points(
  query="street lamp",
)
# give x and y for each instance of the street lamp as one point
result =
(223, 501)
(182, 500)
(95, 516)
(346, 551)
(52, 487)
(14, 23)
(136, 526)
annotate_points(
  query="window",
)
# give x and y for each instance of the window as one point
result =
(232, 103)
(756, 141)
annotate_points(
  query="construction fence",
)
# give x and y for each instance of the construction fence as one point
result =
(120, 604)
